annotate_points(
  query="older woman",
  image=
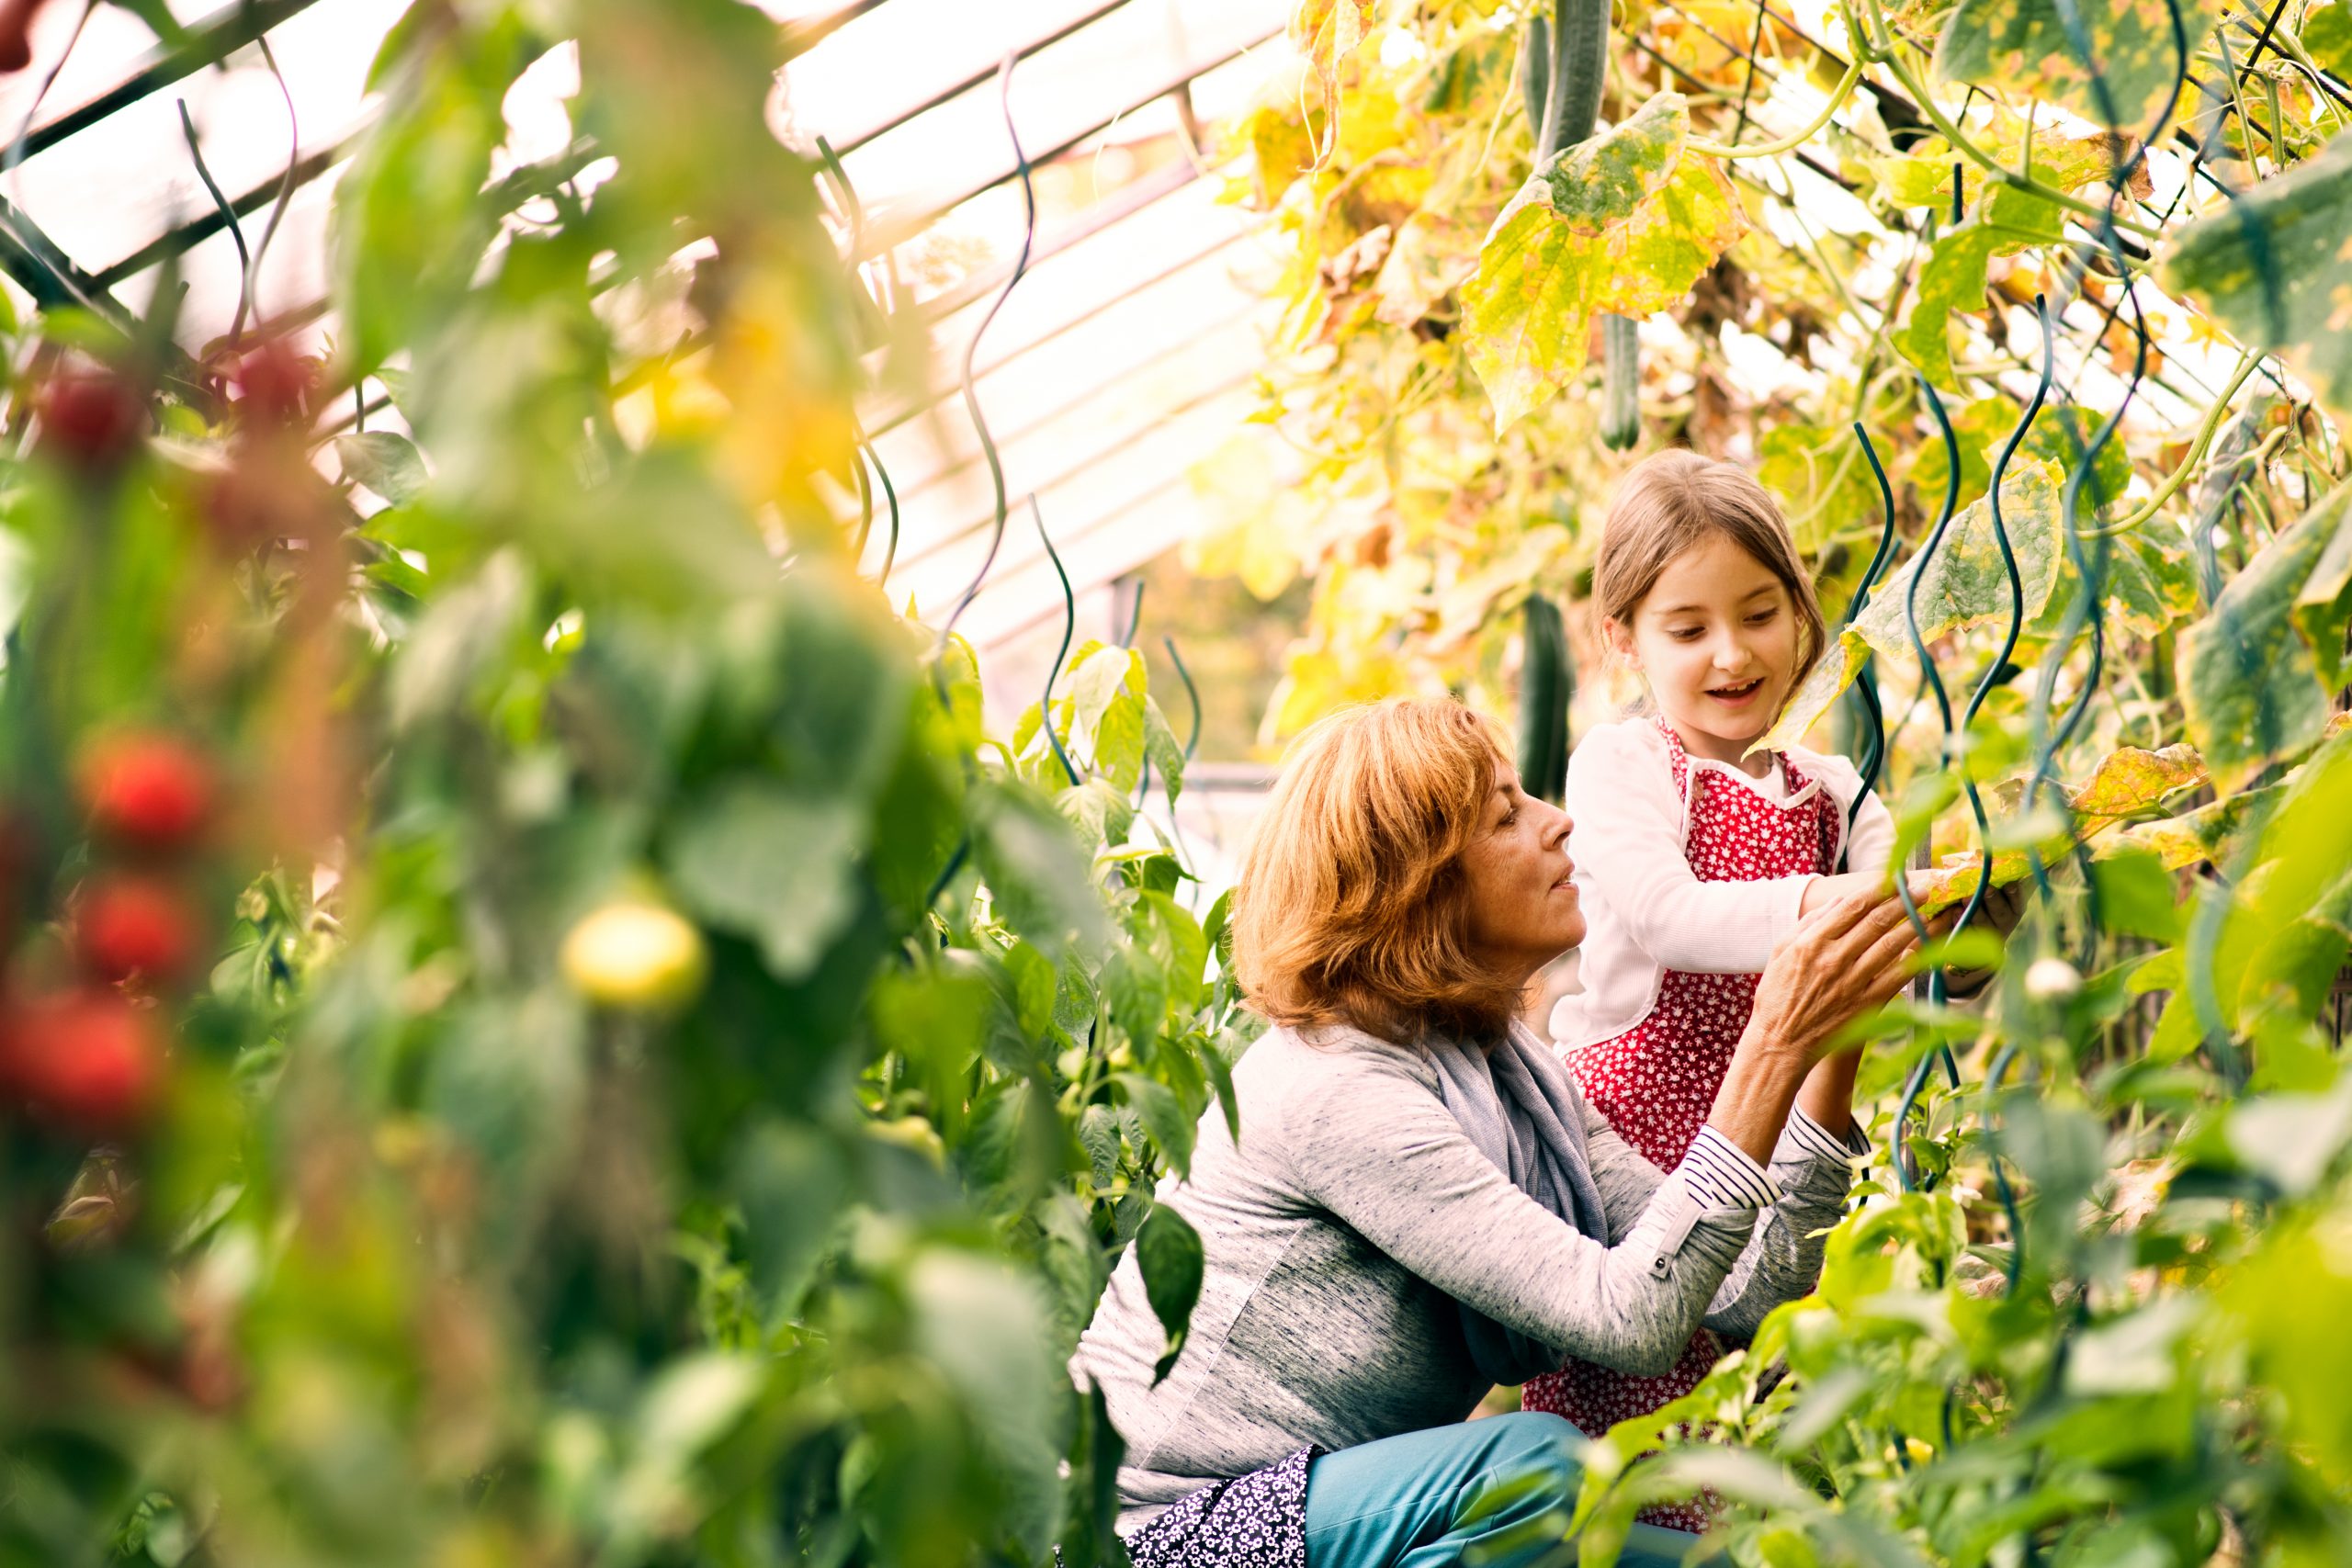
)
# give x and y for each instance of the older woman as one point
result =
(1419, 1205)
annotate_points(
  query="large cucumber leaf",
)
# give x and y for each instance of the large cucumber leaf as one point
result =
(2021, 46)
(1965, 584)
(1620, 224)
(2274, 267)
(2250, 679)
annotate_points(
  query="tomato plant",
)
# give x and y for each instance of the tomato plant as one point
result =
(598, 1056)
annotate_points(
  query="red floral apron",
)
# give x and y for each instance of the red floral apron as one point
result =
(1656, 1082)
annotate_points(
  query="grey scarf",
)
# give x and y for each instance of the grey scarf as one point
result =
(1517, 1104)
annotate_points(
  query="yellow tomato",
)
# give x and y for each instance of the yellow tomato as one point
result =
(637, 955)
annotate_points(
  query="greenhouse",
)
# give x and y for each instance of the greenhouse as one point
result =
(1290, 783)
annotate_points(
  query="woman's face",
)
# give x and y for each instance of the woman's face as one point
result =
(1523, 909)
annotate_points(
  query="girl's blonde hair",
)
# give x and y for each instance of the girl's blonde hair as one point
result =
(1675, 499)
(1351, 907)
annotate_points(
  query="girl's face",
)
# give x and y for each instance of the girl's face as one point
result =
(1716, 639)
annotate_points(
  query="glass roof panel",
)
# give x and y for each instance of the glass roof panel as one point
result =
(139, 158)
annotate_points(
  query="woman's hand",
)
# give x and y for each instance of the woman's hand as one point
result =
(1844, 961)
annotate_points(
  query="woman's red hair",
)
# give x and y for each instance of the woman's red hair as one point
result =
(1351, 906)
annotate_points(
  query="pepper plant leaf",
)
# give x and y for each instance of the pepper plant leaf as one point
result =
(2274, 266)
(2023, 47)
(1620, 224)
(1170, 1257)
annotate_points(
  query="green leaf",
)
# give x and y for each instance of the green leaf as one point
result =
(1983, 424)
(938, 1019)
(1163, 1116)
(1167, 752)
(1098, 1134)
(2021, 46)
(157, 14)
(2327, 35)
(1098, 809)
(1620, 224)
(1953, 276)
(1035, 872)
(2137, 895)
(1137, 987)
(1168, 1255)
(987, 1330)
(1034, 985)
(388, 464)
(1214, 929)
(776, 867)
(1168, 930)
(791, 1185)
(1819, 474)
(2250, 684)
(1107, 722)
(2274, 266)
(2323, 606)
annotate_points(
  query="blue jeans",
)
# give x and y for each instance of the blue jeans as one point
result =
(1400, 1503)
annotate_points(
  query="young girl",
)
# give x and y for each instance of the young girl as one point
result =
(1694, 858)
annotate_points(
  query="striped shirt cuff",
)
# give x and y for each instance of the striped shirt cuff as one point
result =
(1815, 1139)
(1720, 1176)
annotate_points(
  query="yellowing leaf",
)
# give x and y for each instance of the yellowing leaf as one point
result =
(1621, 224)
(2023, 47)
(1325, 33)
(2274, 266)
(2131, 779)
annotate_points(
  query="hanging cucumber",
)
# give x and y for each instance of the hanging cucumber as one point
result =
(1621, 382)
(1579, 65)
(1546, 682)
(1535, 72)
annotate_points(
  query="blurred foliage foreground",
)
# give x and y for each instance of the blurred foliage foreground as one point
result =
(539, 1029)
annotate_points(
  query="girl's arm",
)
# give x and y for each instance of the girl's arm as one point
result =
(1870, 845)
(1628, 839)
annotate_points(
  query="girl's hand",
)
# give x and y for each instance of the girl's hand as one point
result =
(1824, 891)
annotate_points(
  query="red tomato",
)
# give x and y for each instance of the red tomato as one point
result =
(147, 789)
(92, 1060)
(16, 32)
(274, 384)
(92, 420)
(134, 925)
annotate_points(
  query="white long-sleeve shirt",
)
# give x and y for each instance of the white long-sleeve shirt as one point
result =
(1645, 910)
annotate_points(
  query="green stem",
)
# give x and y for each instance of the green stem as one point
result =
(2180, 476)
(1837, 97)
(1883, 49)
